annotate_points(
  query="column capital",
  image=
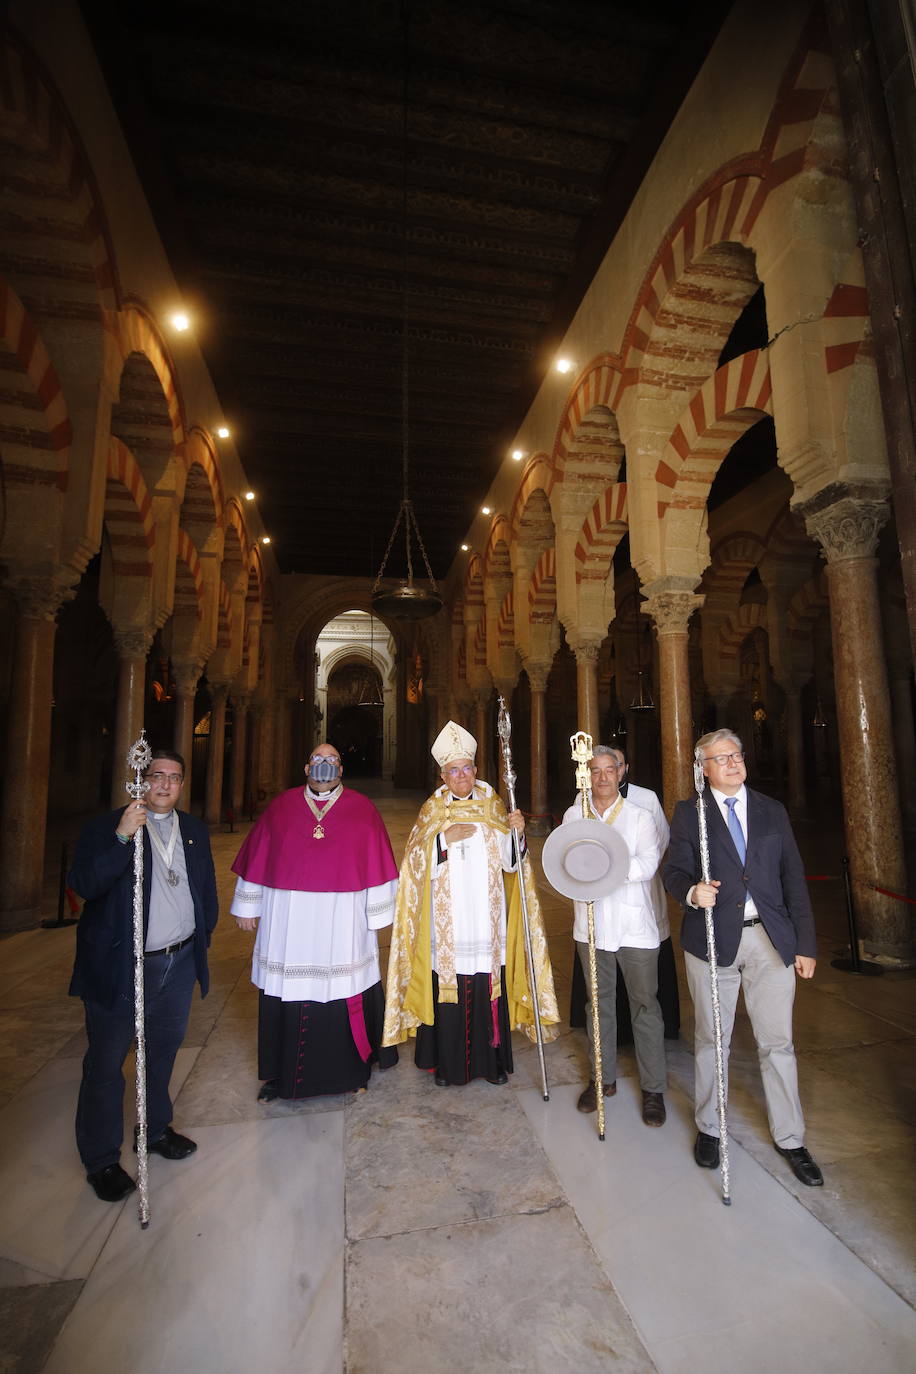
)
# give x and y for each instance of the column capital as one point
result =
(219, 687)
(587, 650)
(538, 673)
(671, 602)
(132, 641)
(847, 520)
(186, 675)
(39, 597)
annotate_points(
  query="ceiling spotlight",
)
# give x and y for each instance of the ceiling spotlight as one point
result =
(181, 322)
(564, 364)
(223, 432)
(485, 510)
(518, 454)
(249, 495)
(265, 538)
(465, 547)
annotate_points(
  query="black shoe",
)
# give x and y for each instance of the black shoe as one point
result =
(501, 1077)
(803, 1166)
(653, 1109)
(111, 1184)
(270, 1091)
(588, 1098)
(706, 1150)
(171, 1145)
(439, 1081)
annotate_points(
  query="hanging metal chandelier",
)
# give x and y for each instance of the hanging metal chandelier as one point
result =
(403, 599)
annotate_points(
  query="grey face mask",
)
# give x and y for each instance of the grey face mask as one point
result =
(324, 769)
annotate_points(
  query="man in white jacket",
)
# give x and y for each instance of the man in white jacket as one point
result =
(626, 932)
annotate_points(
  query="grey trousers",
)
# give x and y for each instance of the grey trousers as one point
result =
(640, 973)
(769, 993)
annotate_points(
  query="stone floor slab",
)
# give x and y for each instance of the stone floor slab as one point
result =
(241, 1268)
(521, 1293)
(711, 1287)
(419, 1156)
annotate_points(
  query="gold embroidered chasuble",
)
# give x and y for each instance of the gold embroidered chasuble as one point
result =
(424, 906)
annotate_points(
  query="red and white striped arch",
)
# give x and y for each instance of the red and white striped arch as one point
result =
(128, 514)
(733, 399)
(602, 530)
(542, 589)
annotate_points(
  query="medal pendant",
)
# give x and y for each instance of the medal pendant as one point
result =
(318, 832)
(173, 878)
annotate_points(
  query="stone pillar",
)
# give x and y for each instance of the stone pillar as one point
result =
(133, 645)
(213, 805)
(671, 609)
(846, 524)
(255, 727)
(587, 689)
(28, 757)
(239, 751)
(186, 677)
(481, 733)
(904, 739)
(795, 751)
(540, 820)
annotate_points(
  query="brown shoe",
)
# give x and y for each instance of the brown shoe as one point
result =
(653, 1109)
(588, 1100)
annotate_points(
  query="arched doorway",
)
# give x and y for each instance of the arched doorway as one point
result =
(355, 713)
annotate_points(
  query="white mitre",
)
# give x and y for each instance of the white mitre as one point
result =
(453, 742)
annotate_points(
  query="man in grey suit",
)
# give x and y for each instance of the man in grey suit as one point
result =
(764, 931)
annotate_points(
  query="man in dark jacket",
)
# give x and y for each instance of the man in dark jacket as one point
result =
(764, 931)
(179, 913)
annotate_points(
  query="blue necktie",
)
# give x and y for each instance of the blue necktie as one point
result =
(734, 828)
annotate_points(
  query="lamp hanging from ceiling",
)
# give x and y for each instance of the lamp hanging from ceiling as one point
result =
(404, 600)
(370, 694)
(642, 701)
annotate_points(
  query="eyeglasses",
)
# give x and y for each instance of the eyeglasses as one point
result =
(172, 779)
(322, 758)
(723, 759)
(457, 772)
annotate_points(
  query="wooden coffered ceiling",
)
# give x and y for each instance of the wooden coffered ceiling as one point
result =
(269, 138)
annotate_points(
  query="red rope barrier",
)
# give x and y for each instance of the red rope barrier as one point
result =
(886, 892)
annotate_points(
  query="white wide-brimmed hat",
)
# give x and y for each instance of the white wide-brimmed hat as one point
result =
(585, 860)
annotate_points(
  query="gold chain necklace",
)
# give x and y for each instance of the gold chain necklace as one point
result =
(318, 832)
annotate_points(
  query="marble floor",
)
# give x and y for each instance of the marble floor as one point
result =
(414, 1229)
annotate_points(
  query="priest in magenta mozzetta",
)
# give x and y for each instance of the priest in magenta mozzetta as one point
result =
(317, 880)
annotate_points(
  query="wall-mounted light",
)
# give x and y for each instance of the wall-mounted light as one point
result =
(181, 322)
(564, 365)
(265, 538)
(249, 495)
(518, 454)
(465, 547)
(223, 432)
(485, 510)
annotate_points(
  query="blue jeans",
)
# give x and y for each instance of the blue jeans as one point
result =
(168, 987)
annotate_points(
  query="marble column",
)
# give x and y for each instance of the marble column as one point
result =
(482, 735)
(186, 676)
(256, 730)
(132, 643)
(213, 805)
(671, 609)
(795, 751)
(587, 689)
(239, 751)
(540, 820)
(904, 739)
(28, 756)
(846, 524)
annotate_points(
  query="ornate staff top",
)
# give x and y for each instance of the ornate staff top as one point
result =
(139, 758)
(699, 778)
(504, 730)
(581, 753)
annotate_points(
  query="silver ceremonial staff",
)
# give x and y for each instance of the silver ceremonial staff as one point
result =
(504, 730)
(138, 760)
(699, 782)
(581, 744)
